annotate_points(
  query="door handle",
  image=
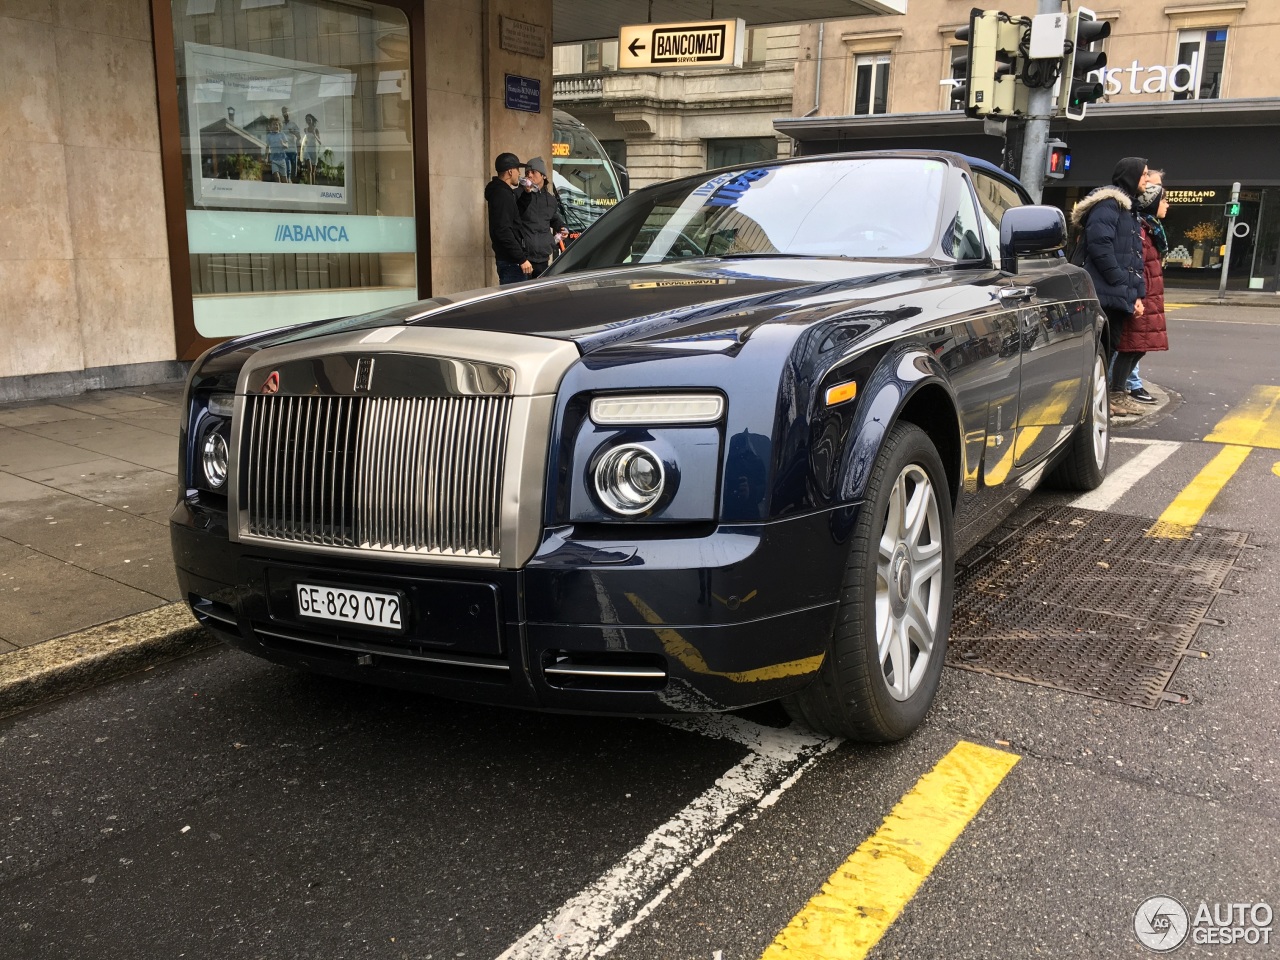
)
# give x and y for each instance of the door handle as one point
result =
(1017, 294)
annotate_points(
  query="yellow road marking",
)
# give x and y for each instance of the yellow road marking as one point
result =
(1254, 423)
(1178, 306)
(860, 901)
(1188, 507)
(1275, 468)
(681, 649)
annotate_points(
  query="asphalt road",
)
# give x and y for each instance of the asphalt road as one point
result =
(224, 807)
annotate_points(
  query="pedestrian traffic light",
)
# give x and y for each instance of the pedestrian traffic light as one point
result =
(995, 41)
(1059, 161)
(1233, 209)
(1079, 60)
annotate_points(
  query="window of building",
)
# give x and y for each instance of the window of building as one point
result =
(616, 150)
(1206, 52)
(740, 151)
(756, 50)
(599, 56)
(297, 163)
(870, 83)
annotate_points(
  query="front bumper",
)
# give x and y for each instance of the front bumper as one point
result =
(645, 627)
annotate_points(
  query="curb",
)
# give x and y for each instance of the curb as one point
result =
(65, 665)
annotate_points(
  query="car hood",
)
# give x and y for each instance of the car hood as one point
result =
(606, 308)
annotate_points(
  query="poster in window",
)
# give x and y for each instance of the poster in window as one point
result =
(267, 132)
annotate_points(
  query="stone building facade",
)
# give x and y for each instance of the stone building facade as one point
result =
(670, 123)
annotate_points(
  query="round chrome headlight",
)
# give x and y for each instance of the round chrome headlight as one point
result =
(629, 479)
(215, 458)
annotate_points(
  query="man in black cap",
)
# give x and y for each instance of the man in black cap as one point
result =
(505, 233)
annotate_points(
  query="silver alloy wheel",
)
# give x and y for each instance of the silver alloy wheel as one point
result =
(909, 582)
(1101, 412)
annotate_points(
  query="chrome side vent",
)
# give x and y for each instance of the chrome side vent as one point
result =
(419, 475)
(603, 670)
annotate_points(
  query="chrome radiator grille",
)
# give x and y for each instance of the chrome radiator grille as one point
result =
(403, 474)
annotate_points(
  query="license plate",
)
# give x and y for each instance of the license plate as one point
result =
(382, 610)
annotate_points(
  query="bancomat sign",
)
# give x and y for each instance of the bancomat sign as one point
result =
(706, 43)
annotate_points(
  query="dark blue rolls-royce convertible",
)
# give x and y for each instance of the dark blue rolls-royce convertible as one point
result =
(726, 451)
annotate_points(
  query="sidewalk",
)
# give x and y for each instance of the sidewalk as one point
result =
(86, 487)
(1233, 298)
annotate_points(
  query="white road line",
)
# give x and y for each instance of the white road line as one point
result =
(593, 922)
(1121, 481)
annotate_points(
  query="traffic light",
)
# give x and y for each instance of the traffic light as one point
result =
(1077, 90)
(1233, 209)
(1059, 161)
(990, 87)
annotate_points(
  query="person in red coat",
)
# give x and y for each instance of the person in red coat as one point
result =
(1146, 332)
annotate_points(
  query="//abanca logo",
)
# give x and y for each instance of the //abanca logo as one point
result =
(304, 232)
(1161, 924)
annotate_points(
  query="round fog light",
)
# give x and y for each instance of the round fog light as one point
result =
(629, 479)
(215, 458)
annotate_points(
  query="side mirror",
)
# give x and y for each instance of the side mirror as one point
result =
(624, 178)
(1027, 230)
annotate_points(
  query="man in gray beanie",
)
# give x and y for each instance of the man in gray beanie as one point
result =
(539, 215)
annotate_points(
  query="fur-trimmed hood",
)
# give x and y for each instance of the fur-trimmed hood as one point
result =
(1081, 209)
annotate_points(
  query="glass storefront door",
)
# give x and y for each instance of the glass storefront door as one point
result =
(297, 152)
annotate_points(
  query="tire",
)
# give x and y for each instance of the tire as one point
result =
(897, 585)
(1089, 449)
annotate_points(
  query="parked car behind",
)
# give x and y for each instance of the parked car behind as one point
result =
(726, 451)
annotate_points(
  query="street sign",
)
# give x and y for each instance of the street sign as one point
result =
(682, 46)
(523, 93)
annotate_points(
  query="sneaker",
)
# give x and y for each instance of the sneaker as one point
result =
(1142, 396)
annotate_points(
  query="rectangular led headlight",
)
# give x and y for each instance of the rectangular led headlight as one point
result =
(656, 408)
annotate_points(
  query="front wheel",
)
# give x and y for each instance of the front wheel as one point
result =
(885, 659)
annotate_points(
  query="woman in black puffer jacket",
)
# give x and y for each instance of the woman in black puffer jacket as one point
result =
(1112, 239)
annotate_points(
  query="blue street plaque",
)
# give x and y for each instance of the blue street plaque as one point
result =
(524, 93)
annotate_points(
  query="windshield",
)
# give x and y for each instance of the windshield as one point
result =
(583, 174)
(877, 208)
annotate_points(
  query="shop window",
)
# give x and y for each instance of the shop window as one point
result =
(870, 83)
(297, 160)
(1206, 52)
(740, 151)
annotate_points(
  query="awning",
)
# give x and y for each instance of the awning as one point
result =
(1216, 141)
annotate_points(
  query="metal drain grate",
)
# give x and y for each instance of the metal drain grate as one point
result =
(1085, 602)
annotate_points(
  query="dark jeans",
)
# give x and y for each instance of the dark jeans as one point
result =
(509, 272)
(1125, 362)
(1117, 320)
